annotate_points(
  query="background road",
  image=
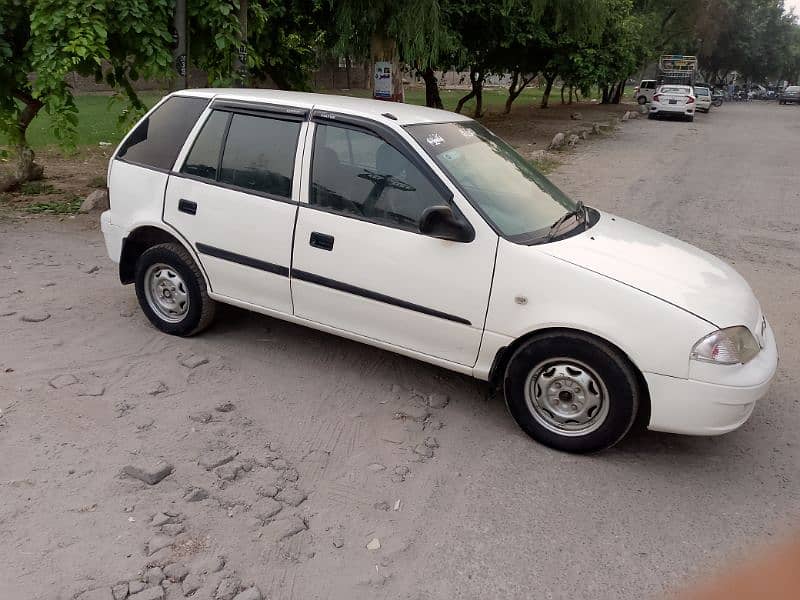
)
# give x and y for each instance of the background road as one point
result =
(490, 515)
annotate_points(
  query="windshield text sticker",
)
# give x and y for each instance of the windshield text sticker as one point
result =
(434, 139)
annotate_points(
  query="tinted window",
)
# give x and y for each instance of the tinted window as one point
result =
(204, 155)
(259, 154)
(357, 173)
(157, 140)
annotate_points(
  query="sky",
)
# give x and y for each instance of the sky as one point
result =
(792, 4)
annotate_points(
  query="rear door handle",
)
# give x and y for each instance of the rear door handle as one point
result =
(187, 206)
(321, 241)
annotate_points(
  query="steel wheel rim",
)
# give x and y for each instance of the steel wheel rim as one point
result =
(567, 397)
(166, 293)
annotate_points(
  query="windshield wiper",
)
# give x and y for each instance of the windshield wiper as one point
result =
(579, 212)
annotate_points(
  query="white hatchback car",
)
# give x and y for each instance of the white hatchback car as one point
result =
(421, 232)
(702, 98)
(673, 100)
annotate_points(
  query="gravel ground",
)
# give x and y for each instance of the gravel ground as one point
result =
(265, 455)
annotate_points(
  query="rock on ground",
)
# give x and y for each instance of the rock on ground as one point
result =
(193, 361)
(438, 400)
(292, 497)
(152, 593)
(217, 458)
(96, 201)
(151, 474)
(156, 543)
(120, 591)
(558, 141)
(281, 529)
(103, 593)
(35, 317)
(252, 593)
(228, 588)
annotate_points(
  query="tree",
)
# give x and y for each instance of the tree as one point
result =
(119, 41)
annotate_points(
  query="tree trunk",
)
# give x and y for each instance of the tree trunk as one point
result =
(606, 94)
(347, 66)
(24, 168)
(563, 101)
(618, 91)
(476, 82)
(571, 93)
(432, 97)
(518, 83)
(549, 80)
(384, 49)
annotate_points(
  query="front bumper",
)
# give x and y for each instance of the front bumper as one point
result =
(694, 407)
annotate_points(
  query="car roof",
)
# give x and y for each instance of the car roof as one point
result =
(406, 114)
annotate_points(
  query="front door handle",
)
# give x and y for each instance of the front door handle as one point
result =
(187, 206)
(321, 241)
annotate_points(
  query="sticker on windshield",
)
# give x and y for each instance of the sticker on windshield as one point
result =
(434, 139)
(450, 155)
(467, 133)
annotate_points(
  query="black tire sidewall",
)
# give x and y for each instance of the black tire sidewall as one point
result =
(610, 366)
(163, 254)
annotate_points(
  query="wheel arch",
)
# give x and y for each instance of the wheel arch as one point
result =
(504, 354)
(146, 236)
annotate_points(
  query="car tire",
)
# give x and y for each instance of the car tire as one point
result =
(172, 291)
(690, 118)
(593, 378)
(651, 115)
(642, 100)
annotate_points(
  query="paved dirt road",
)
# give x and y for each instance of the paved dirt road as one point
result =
(94, 388)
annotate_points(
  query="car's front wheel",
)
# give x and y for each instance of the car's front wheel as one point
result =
(171, 290)
(571, 391)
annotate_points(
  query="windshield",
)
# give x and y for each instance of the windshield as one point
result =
(518, 200)
(701, 91)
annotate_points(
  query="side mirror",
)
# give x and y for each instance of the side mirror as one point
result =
(441, 223)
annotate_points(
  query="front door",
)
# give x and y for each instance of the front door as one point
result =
(360, 263)
(233, 200)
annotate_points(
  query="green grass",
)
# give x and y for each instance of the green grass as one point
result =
(66, 206)
(36, 188)
(97, 122)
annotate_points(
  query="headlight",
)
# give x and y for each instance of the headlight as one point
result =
(729, 346)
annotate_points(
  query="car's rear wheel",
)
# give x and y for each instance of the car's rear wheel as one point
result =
(572, 391)
(171, 290)
(642, 100)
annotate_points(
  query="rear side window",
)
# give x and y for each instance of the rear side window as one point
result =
(158, 139)
(259, 154)
(203, 158)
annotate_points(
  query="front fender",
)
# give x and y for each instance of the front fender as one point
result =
(533, 291)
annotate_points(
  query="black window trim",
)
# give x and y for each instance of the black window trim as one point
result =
(394, 139)
(223, 143)
(261, 109)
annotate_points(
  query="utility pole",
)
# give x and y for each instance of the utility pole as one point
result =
(180, 45)
(240, 60)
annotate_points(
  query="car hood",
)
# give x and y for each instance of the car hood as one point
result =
(662, 266)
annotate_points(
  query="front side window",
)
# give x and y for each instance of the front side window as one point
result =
(518, 200)
(158, 139)
(357, 173)
(259, 154)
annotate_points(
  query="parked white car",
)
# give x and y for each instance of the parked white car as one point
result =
(645, 90)
(419, 231)
(673, 100)
(702, 96)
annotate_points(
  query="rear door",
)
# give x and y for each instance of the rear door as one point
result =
(360, 263)
(234, 200)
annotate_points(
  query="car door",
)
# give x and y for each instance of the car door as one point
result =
(361, 265)
(234, 200)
